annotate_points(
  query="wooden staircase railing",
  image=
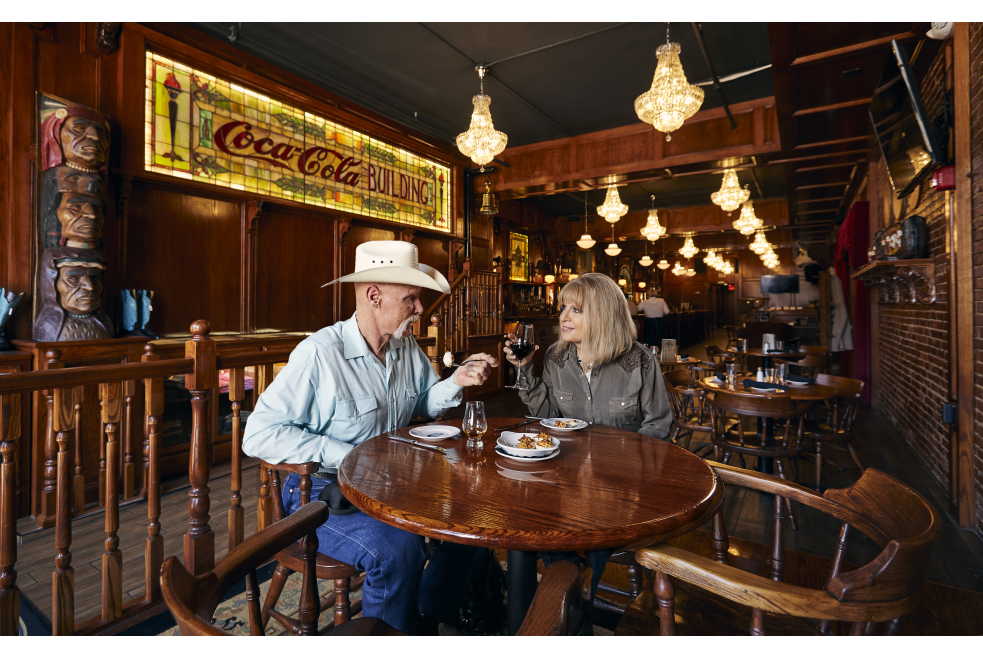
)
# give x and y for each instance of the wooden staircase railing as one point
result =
(116, 392)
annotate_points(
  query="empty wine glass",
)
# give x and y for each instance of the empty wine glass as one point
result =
(522, 346)
(475, 424)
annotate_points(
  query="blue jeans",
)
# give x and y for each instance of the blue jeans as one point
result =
(393, 562)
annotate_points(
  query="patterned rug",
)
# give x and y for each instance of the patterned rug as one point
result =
(232, 615)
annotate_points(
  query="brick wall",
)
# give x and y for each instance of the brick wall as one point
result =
(976, 121)
(914, 338)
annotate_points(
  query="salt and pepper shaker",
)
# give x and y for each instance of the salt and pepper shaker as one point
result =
(760, 376)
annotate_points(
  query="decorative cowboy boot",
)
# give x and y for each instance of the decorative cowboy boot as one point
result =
(8, 302)
(145, 308)
(129, 319)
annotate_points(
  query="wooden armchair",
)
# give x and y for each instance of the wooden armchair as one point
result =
(690, 407)
(193, 600)
(289, 559)
(558, 606)
(810, 365)
(717, 356)
(841, 413)
(732, 335)
(884, 509)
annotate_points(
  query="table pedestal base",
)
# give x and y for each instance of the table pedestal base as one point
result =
(521, 584)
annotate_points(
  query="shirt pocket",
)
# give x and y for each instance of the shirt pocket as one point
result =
(355, 409)
(563, 399)
(623, 407)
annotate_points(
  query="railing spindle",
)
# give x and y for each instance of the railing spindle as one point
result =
(262, 376)
(237, 393)
(148, 355)
(110, 395)
(49, 490)
(10, 423)
(154, 545)
(199, 540)
(78, 481)
(129, 469)
(63, 577)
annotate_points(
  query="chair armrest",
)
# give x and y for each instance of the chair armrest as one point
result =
(557, 607)
(307, 468)
(755, 591)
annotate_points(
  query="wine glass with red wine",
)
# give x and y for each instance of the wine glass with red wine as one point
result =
(522, 346)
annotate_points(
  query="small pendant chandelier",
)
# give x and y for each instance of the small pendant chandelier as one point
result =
(678, 269)
(481, 142)
(653, 230)
(586, 241)
(613, 209)
(760, 244)
(671, 99)
(748, 223)
(612, 249)
(730, 195)
(689, 249)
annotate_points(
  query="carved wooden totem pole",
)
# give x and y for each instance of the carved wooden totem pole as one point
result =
(74, 150)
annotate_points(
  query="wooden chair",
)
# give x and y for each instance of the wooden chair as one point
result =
(690, 407)
(193, 600)
(721, 599)
(810, 365)
(718, 356)
(558, 606)
(289, 559)
(730, 439)
(842, 411)
(731, 336)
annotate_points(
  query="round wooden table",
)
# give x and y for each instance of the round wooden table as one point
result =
(766, 356)
(606, 488)
(806, 393)
(672, 363)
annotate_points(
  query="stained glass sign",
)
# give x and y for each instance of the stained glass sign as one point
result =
(519, 254)
(212, 131)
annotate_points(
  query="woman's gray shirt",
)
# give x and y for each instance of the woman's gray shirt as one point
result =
(627, 394)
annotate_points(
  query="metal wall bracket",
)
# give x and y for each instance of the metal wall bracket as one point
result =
(901, 281)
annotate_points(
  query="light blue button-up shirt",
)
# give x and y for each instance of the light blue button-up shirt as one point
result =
(334, 393)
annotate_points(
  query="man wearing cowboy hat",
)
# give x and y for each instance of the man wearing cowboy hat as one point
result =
(356, 379)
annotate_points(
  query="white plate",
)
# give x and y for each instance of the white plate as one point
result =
(500, 451)
(508, 440)
(763, 390)
(434, 432)
(551, 423)
(789, 383)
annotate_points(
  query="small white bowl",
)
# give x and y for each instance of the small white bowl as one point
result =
(508, 441)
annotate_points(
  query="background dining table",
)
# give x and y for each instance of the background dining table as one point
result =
(605, 488)
(799, 392)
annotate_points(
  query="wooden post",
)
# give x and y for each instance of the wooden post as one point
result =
(436, 351)
(49, 490)
(199, 540)
(78, 482)
(63, 577)
(310, 603)
(237, 393)
(110, 397)
(263, 375)
(10, 422)
(148, 355)
(154, 544)
(129, 469)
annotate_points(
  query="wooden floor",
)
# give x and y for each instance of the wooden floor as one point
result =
(956, 561)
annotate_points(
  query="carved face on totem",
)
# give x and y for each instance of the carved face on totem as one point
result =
(79, 286)
(84, 142)
(74, 181)
(81, 217)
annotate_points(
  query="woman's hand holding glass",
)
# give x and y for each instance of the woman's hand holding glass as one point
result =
(510, 356)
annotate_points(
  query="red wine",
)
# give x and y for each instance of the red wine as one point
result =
(520, 351)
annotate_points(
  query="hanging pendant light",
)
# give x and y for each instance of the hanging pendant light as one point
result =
(730, 195)
(671, 99)
(613, 209)
(678, 269)
(748, 223)
(641, 285)
(481, 142)
(549, 278)
(691, 272)
(653, 230)
(645, 261)
(760, 244)
(689, 249)
(489, 200)
(663, 264)
(586, 241)
(612, 249)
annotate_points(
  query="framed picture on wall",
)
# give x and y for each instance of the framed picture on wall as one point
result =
(585, 261)
(519, 255)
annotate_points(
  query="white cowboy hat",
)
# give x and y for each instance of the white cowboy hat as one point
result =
(393, 261)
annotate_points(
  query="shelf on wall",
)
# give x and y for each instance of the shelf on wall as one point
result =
(901, 281)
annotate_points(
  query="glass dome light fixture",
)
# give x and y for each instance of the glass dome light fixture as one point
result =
(691, 272)
(672, 99)
(730, 196)
(481, 142)
(641, 285)
(612, 249)
(549, 278)
(645, 261)
(613, 209)
(663, 264)
(586, 241)
(689, 249)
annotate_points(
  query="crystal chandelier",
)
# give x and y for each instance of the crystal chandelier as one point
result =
(612, 249)
(481, 142)
(730, 195)
(613, 209)
(586, 241)
(760, 244)
(672, 99)
(653, 230)
(678, 269)
(748, 223)
(711, 259)
(689, 249)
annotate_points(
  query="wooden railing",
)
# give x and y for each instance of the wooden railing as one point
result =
(116, 388)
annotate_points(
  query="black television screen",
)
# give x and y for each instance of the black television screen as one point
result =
(901, 124)
(774, 284)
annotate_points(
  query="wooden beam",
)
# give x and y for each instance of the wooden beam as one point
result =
(826, 166)
(818, 156)
(853, 48)
(812, 187)
(832, 141)
(962, 295)
(830, 108)
(832, 198)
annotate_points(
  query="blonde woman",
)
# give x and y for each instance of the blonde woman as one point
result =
(599, 373)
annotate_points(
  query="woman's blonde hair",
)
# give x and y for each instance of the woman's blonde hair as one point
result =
(609, 330)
